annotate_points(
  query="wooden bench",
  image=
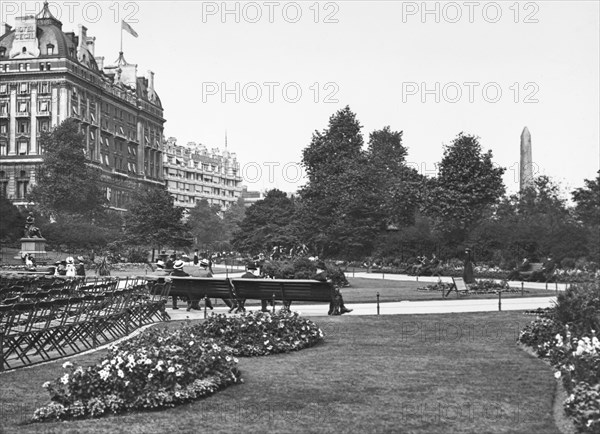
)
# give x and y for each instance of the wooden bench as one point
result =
(195, 289)
(535, 267)
(284, 290)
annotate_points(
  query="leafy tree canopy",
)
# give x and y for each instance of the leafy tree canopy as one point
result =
(65, 183)
(153, 219)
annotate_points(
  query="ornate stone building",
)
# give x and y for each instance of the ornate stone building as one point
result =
(193, 173)
(47, 76)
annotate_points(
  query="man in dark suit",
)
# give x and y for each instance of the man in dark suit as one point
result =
(336, 307)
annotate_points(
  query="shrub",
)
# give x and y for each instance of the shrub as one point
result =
(579, 308)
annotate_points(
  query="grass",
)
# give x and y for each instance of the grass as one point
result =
(420, 374)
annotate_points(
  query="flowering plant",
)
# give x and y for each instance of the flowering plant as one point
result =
(159, 368)
(566, 336)
(261, 333)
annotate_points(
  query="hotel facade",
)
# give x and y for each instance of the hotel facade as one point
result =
(193, 172)
(47, 76)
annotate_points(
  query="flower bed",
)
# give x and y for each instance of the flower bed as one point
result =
(566, 337)
(162, 368)
(261, 333)
(172, 368)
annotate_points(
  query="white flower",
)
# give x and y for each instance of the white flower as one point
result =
(46, 385)
(171, 369)
(228, 358)
(64, 379)
(67, 365)
(120, 373)
(191, 343)
(557, 374)
(150, 375)
(235, 359)
(179, 373)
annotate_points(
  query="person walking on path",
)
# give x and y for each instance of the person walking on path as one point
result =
(468, 267)
(196, 258)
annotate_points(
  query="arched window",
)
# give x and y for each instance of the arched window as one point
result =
(49, 49)
(23, 174)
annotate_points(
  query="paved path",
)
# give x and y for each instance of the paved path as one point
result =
(397, 308)
(433, 279)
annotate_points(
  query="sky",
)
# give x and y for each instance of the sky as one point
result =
(268, 74)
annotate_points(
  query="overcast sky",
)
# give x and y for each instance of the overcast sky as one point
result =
(493, 68)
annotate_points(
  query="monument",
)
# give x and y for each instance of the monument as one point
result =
(32, 242)
(526, 163)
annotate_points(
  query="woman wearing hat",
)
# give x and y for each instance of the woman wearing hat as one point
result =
(468, 267)
(70, 268)
(80, 268)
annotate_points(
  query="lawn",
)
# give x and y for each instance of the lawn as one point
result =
(416, 373)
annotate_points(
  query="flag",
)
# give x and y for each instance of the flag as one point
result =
(128, 29)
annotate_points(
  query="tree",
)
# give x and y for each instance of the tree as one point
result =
(398, 185)
(232, 218)
(267, 223)
(153, 219)
(205, 224)
(339, 213)
(587, 202)
(65, 183)
(12, 222)
(467, 185)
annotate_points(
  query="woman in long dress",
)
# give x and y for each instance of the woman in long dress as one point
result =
(468, 267)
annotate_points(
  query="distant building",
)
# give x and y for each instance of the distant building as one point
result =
(192, 173)
(251, 197)
(47, 76)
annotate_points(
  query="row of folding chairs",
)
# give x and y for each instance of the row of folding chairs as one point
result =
(48, 328)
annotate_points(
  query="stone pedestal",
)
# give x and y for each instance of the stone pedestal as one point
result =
(35, 246)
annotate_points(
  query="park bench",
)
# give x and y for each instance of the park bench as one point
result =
(195, 289)
(535, 267)
(284, 290)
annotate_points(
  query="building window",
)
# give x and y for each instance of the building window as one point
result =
(44, 87)
(49, 49)
(3, 149)
(4, 88)
(3, 128)
(23, 127)
(44, 125)
(22, 149)
(4, 108)
(24, 88)
(47, 66)
(44, 106)
(23, 106)
(2, 52)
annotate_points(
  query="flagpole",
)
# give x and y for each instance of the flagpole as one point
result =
(121, 51)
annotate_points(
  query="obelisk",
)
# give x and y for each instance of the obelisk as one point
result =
(526, 164)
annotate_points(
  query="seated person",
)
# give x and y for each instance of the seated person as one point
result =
(524, 266)
(80, 267)
(170, 262)
(252, 272)
(204, 272)
(336, 307)
(178, 271)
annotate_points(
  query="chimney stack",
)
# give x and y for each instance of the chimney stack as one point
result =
(150, 81)
(82, 36)
(91, 45)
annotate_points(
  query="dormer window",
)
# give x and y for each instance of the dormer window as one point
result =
(49, 49)
(2, 52)
(24, 50)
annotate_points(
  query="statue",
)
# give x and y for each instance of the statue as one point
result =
(31, 231)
